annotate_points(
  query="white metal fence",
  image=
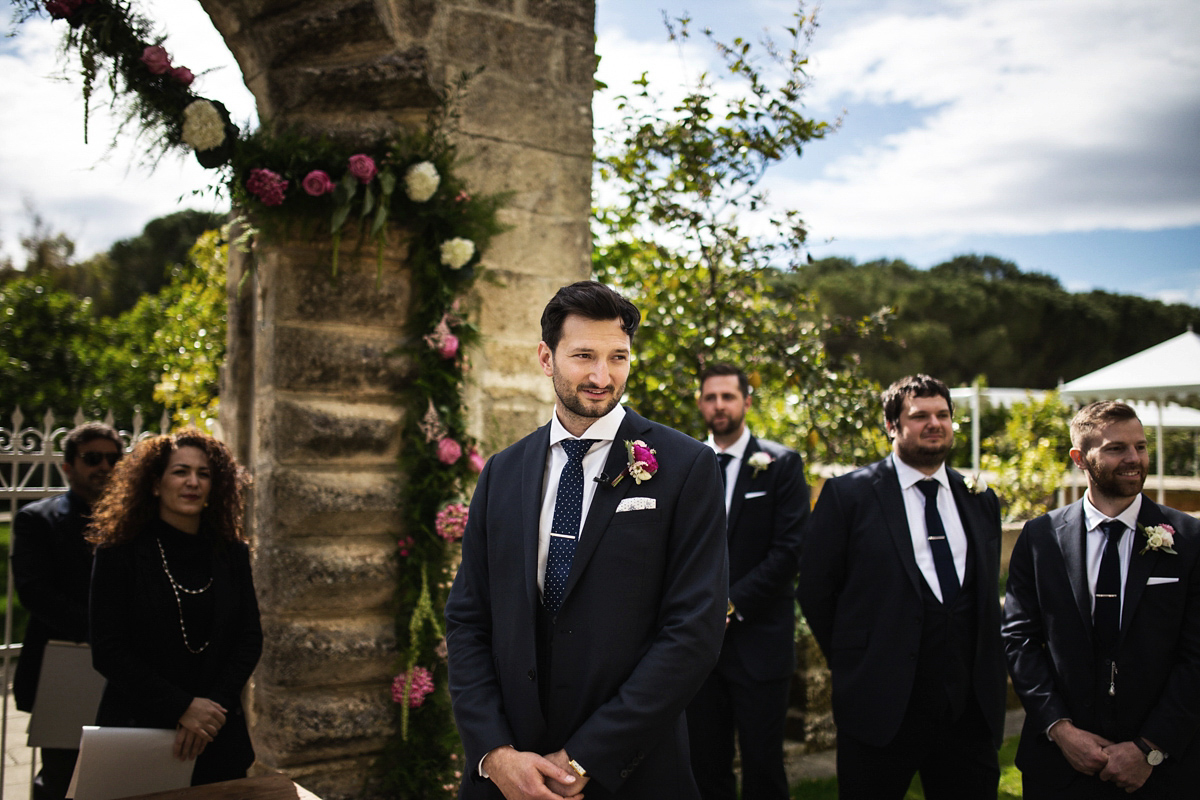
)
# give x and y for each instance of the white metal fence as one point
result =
(30, 469)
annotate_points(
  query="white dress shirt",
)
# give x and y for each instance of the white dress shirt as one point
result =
(914, 507)
(1095, 541)
(738, 451)
(604, 430)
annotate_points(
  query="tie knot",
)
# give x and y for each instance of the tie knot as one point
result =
(576, 449)
(724, 459)
(1114, 529)
(929, 489)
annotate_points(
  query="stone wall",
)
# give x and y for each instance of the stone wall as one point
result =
(307, 400)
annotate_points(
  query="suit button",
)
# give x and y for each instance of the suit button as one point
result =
(624, 773)
(532, 675)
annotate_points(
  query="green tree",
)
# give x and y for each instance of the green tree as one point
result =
(1030, 456)
(674, 241)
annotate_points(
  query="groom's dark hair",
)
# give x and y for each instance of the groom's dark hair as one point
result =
(590, 300)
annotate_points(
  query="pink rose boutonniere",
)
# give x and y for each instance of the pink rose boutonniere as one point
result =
(1158, 537)
(642, 463)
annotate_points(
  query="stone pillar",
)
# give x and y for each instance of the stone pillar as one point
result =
(311, 378)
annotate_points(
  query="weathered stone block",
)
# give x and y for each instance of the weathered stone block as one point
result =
(296, 727)
(553, 118)
(306, 290)
(566, 14)
(335, 779)
(332, 504)
(504, 45)
(342, 360)
(546, 184)
(397, 81)
(327, 432)
(320, 32)
(326, 579)
(328, 651)
(555, 247)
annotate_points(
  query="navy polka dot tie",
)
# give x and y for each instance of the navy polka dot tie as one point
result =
(564, 531)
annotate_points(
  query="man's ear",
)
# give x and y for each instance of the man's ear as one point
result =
(1077, 457)
(546, 358)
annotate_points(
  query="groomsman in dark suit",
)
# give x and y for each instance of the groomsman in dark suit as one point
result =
(898, 581)
(590, 603)
(766, 501)
(1102, 629)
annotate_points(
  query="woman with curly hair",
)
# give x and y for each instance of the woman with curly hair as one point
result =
(174, 619)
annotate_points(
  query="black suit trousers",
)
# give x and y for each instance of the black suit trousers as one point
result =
(731, 701)
(955, 759)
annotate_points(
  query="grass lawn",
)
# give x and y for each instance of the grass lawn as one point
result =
(1010, 781)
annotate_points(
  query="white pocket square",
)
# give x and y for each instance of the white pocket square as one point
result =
(1157, 581)
(636, 504)
(752, 495)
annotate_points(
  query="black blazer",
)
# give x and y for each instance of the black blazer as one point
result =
(861, 592)
(1048, 639)
(52, 566)
(138, 647)
(766, 519)
(639, 628)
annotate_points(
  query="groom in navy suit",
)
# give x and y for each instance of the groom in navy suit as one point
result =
(590, 603)
(1102, 629)
(767, 502)
(898, 581)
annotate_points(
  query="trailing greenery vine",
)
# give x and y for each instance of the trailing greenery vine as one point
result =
(286, 181)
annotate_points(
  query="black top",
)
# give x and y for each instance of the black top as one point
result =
(137, 642)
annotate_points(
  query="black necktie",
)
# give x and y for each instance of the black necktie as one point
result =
(564, 530)
(943, 559)
(724, 459)
(1106, 618)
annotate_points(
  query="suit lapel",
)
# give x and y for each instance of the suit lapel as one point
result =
(533, 469)
(739, 486)
(887, 490)
(1070, 533)
(607, 497)
(1141, 567)
(974, 527)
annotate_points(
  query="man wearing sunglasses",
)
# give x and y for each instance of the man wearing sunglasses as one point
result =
(52, 567)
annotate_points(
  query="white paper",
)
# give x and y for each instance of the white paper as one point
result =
(121, 762)
(68, 695)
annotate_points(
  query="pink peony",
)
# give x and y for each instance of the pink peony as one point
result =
(267, 186)
(362, 167)
(317, 183)
(448, 450)
(156, 59)
(183, 75)
(449, 348)
(475, 462)
(422, 685)
(451, 521)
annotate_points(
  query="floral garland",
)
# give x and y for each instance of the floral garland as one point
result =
(284, 178)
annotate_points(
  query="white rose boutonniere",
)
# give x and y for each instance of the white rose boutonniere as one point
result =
(976, 484)
(1158, 537)
(759, 462)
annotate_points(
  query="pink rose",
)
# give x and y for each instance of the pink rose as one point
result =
(317, 183)
(646, 456)
(448, 450)
(362, 167)
(267, 186)
(475, 462)
(156, 59)
(449, 348)
(183, 75)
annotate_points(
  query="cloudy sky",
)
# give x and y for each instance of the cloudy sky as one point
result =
(1063, 135)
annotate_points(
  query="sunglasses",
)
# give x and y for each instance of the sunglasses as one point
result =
(93, 458)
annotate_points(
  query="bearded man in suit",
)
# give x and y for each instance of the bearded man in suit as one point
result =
(898, 581)
(1102, 629)
(590, 603)
(766, 501)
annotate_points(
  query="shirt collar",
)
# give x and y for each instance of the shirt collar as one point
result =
(910, 476)
(737, 449)
(603, 429)
(1128, 517)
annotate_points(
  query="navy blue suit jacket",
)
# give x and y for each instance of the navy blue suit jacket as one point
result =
(861, 593)
(639, 628)
(766, 519)
(1048, 639)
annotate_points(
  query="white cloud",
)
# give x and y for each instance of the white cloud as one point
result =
(94, 194)
(1043, 116)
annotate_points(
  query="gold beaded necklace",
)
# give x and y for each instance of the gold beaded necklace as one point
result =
(177, 588)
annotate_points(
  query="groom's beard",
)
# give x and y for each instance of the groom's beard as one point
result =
(577, 402)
